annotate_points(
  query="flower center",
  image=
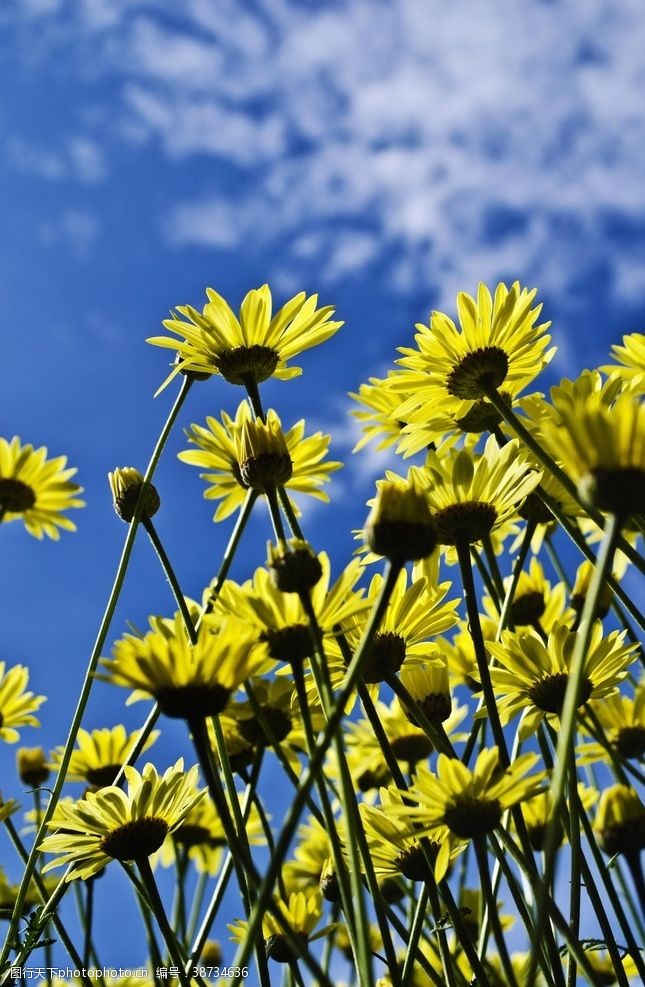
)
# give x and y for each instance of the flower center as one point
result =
(247, 362)
(527, 608)
(277, 720)
(620, 490)
(292, 644)
(403, 540)
(137, 838)
(471, 817)
(630, 742)
(278, 949)
(16, 496)
(412, 863)
(103, 776)
(373, 778)
(411, 747)
(469, 520)
(482, 417)
(478, 371)
(534, 510)
(192, 834)
(195, 701)
(268, 469)
(386, 655)
(548, 694)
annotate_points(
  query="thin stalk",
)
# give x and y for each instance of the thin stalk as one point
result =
(198, 901)
(274, 511)
(89, 919)
(568, 718)
(481, 853)
(171, 577)
(575, 859)
(493, 566)
(463, 554)
(518, 566)
(179, 911)
(230, 550)
(634, 865)
(287, 507)
(146, 909)
(159, 912)
(90, 672)
(316, 761)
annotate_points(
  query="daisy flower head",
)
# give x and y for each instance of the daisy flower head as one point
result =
(16, 704)
(311, 868)
(469, 802)
(379, 401)
(399, 526)
(99, 754)
(126, 484)
(629, 368)
(538, 813)
(250, 347)
(36, 489)
(536, 603)
(622, 719)
(532, 675)
(473, 495)
(498, 345)
(602, 447)
(300, 912)
(620, 821)
(232, 451)
(32, 766)
(115, 825)
(187, 680)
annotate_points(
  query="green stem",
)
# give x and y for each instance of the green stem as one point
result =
(575, 857)
(231, 548)
(159, 911)
(518, 566)
(171, 577)
(481, 854)
(287, 507)
(568, 719)
(274, 511)
(90, 672)
(463, 554)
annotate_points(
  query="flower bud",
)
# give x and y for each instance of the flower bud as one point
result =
(400, 525)
(126, 483)
(429, 685)
(295, 567)
(263, 455)
(33, 769)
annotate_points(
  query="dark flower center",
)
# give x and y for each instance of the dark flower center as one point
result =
(137, 838)
(411, 748)
(247, 362)
(412, 863)
(16, 496)
(192, 834)
(469, 520)
(548, 694)
(292, 644)
(527, 608)
(620, 490)
(471, 817)
(195, 701)
(630, 742)
(482, 417)
(103, 776)
(268, 469)
(402, 540)
(478, 371)
(385, 655)
(278, 722)
(278, 949)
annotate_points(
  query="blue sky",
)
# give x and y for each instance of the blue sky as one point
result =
(384, 154)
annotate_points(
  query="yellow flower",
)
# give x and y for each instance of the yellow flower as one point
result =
(251, 348)
(220, 451)
(36, 489)
(620, 821)
(33, 769)
(301, 913)
(622, 719)
(400, 526)
(112, 825)
(187, 680)
(99, 754)
(126, 483)
(536, 603)
(498, 345)
(16, 705)
(629, 368)
(469, 802)
(602, 448)
(533, 676)
(381, 401)
(538, 813)
(311, 869)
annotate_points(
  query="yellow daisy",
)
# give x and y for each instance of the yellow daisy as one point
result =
(99, 754)
(301, 913)
(630, 363)
(469, 802)
(311, 868)
(36, 489)
(536, 603)
(622, 719)
(538, 813)
(499, 345)
(187, 680)
(278, 621)
(114, 825)
(16, 705)
(377, 421)
(249, 348)
(533, 676)
(620, 821)
(219, 452)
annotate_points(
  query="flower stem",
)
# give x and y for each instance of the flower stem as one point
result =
(88, 681)
(156, 904)
(171, 577)
(231, 548)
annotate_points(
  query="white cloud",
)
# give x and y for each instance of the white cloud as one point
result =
(76, 228)
(77, 158)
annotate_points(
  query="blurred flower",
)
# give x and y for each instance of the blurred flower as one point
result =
(220, 451)
(538, 814)
(497, 346)
(629, 368)
(250, 348)
(301, 913)
(620, 821)
(36, 489)
(534, 674)
(33, 769)
(112, 825)
(100, 754)
(622, 720)
(16, 705)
